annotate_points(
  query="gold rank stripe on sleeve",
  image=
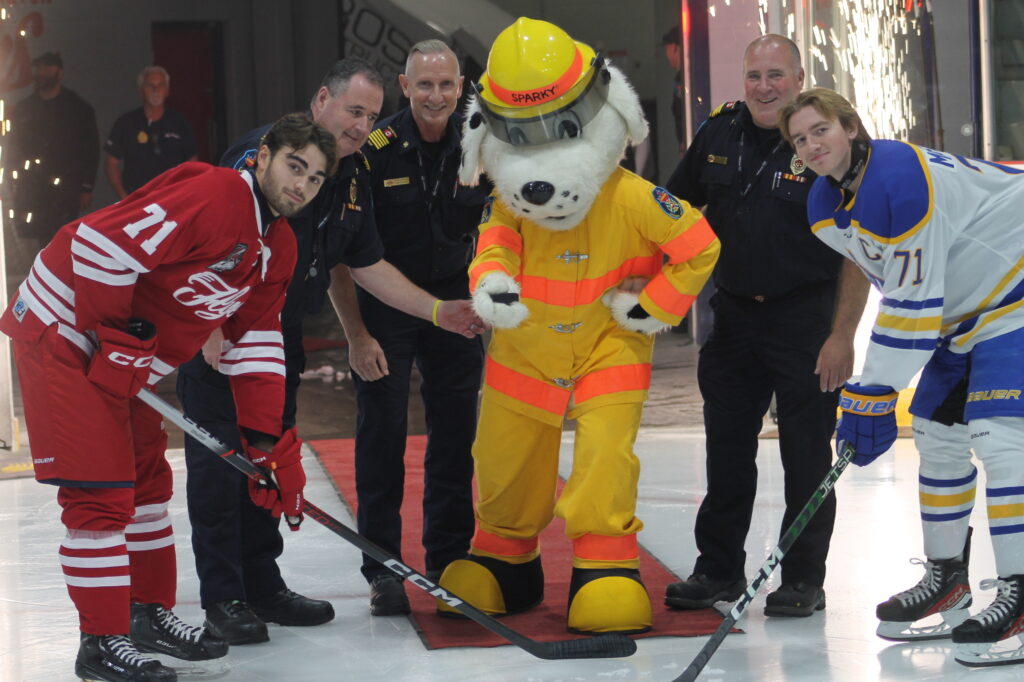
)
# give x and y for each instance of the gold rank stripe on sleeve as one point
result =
(381, 137)
(725, 106)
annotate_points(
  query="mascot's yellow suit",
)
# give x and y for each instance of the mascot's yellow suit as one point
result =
(570, 356)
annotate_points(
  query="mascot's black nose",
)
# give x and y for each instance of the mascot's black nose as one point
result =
(538, 192)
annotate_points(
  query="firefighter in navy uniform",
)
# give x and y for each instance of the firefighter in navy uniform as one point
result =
(427, 223)
(778, 328)
(236, 544)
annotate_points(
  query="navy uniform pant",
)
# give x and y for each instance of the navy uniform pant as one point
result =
(451, 367)
(236, 544)
(754, 350)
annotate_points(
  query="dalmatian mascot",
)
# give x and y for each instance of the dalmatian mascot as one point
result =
(579, 263)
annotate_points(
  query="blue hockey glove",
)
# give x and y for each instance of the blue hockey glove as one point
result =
(868, 422)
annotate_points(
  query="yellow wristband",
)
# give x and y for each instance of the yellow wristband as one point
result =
(433, 313)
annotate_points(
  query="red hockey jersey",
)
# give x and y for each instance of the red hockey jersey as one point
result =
(189, 253)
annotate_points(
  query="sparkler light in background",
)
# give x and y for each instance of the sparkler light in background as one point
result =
(860, 48)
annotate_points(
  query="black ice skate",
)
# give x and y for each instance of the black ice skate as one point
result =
(933, 607)
(114, 658)
(158, 631)
(982, 640)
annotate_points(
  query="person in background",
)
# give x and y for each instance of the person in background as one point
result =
(52, 154)
(146, 141)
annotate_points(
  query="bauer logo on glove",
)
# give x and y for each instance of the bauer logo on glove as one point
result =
(868, 422)
(859, 404)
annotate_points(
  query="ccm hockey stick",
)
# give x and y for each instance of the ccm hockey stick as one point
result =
(846, 453)
(602, 646)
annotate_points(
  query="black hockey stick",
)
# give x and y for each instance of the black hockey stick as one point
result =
(788, 538)
(602, 646)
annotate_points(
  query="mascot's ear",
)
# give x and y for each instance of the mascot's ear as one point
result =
(624, 100)
(474, 130)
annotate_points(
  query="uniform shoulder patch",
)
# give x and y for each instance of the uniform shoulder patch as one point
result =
(668, 203)
(382, 137)
(725, 108)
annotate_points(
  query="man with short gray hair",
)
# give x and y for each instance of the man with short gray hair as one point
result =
(145, 142)
(427, 222)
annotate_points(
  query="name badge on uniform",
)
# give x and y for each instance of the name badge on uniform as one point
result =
(396, 182)
(720, 160)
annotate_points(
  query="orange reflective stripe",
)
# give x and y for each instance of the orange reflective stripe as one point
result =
(525, 389)
(500, 235)
(667, 297)
(613, 380)
(482, 269)
(584, 291)
(606, 547)
(489, 542)
(689, 243)
(518, 98)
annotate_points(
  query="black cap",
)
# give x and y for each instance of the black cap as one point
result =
(48, 59)
(673, 36)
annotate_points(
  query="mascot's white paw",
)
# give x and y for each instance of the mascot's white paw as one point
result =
(620, 303)
(500, 315)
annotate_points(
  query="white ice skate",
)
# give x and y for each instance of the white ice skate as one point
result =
(993, 636)
(930, 609)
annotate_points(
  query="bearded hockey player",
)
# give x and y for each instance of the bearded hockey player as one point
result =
(939, 235)
(566, 227)
(116, 301)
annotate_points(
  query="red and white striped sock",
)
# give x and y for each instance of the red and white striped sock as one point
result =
(150, 540)
(98, 576)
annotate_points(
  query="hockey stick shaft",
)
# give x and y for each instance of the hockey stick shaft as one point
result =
(603, 646)
(768, 567)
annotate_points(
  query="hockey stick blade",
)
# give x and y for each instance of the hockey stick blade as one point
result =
(602, 646)
(768, 567)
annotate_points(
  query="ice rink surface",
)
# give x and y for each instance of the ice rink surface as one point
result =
(877, 532)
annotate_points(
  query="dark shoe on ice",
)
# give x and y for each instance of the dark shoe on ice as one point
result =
(387, 596)
(291, 608)
(235, 622)
(701, 592)
(795, 600)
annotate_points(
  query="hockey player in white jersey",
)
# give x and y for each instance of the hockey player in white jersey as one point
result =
(940, 235)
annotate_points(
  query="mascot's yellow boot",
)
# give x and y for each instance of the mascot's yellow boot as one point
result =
(608, 600)
(494, 586)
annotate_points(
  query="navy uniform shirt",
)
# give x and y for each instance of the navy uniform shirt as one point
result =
(148, 148)
(426, 220)
(755, 190)
(336, 227)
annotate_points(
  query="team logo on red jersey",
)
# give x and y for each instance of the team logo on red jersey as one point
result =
(216, 297)
(233, 259)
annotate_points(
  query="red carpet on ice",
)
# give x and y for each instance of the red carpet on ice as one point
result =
(546, 622)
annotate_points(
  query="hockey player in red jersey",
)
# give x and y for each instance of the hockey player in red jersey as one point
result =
(116, 301)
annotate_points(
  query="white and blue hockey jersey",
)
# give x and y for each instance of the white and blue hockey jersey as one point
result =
(942, 237)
